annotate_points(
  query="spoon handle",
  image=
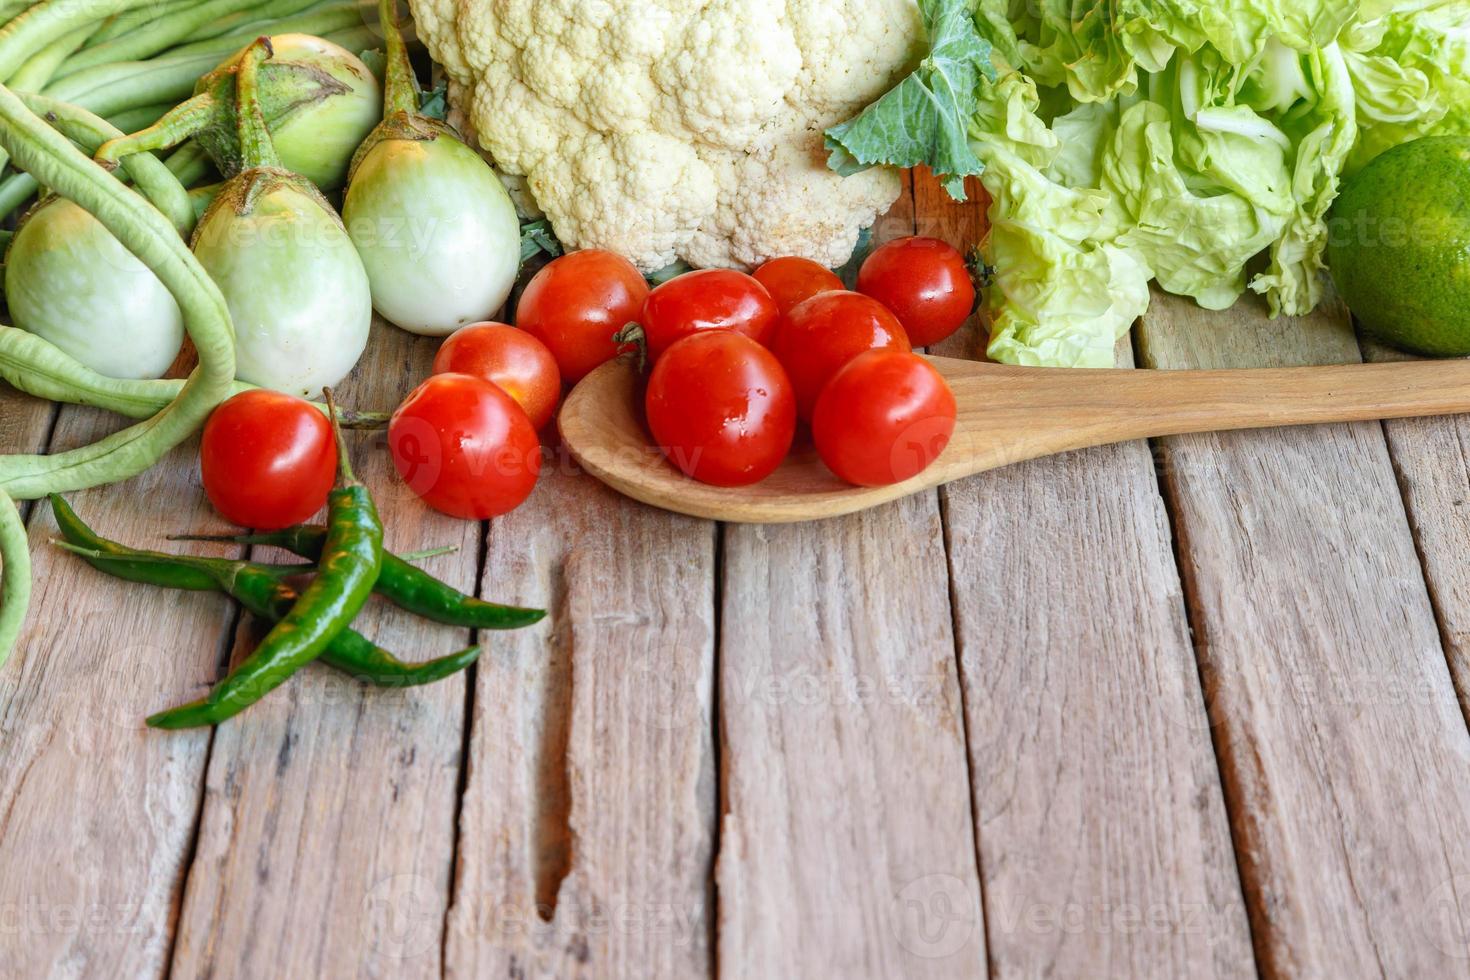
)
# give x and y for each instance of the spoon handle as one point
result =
(1010, 414)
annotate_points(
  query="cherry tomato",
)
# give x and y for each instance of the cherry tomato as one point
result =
(512, 360)
(925, 283)
(793, 281)
(883, 419)
(465, 447)
(269, 460)
(712, 299)
(817, 338)
(721, 409)
(576, 304)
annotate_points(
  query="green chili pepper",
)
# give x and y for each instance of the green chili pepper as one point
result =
(137, 565)
(255, 586)
(408, 588)
(259, 590)
(352, 558)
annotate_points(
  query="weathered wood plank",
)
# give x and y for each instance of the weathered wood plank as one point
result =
(1345, 756)
(327, 833)
(1104, 846)
(1432, 460)
(847, 847)
(96, 812)
(587, 825)
(24, 421)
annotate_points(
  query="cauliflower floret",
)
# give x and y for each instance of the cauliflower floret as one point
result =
(679, 129)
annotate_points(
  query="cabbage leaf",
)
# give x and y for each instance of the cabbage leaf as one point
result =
(1188, 141)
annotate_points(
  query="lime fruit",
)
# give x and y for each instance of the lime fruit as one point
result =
(1399, 246)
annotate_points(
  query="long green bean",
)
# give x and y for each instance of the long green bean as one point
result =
(134, 19)
(158, 35)
(10, 8)
(108, 89)
(51, 158)
(38, 71)
(15, 575)
(131, 120)
(247, 20)
(15, 190)
(46, 22)
(152, 178)
(190, 163)
(42, 66)
(37, 367)
(321, 22)
(147, 233)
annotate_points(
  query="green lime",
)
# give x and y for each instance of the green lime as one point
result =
(1400, 246)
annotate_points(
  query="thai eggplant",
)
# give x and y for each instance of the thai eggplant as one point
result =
(435, 227)
(297, 291)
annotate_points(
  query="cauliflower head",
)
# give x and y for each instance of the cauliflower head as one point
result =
(679, 129)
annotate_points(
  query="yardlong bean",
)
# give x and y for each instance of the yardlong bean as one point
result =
(158, 35)
(90, 131)
(46, 22)
(15, 575)
(37, 367)
(133, 19)
(146, 232)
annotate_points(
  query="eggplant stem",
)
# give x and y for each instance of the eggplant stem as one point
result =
(181, 123)
(400, 86)
(256, 147)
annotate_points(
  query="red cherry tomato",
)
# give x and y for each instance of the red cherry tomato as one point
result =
(269, 460)
(815, 340)
(721, 409)
(511, 359)
(465, 447)
(925, 283)
(576, 304)
(793, 281)
(883, 419)
(712, 299)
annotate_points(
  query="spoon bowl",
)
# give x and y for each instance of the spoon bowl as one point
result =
(1006, 415)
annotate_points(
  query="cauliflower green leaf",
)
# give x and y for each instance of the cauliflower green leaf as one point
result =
(926, 119)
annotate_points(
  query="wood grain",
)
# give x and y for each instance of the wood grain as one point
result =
(1345, 755)
(25, 422)
(96, 812)
(327, 834)
(586, 834)
(845, 801)
(1103, 840)
(1431, 458)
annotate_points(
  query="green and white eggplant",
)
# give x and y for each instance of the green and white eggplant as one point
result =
(320, 101)
(297, 291)
(436, 230)
(68, 280)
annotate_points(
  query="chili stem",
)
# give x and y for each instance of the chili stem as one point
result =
(344, 457)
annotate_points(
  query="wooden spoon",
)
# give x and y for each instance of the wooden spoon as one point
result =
(1006, 415)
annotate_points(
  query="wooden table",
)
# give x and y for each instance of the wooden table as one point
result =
(1182, 709)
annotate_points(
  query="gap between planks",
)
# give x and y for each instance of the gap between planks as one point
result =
(1348, 802)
